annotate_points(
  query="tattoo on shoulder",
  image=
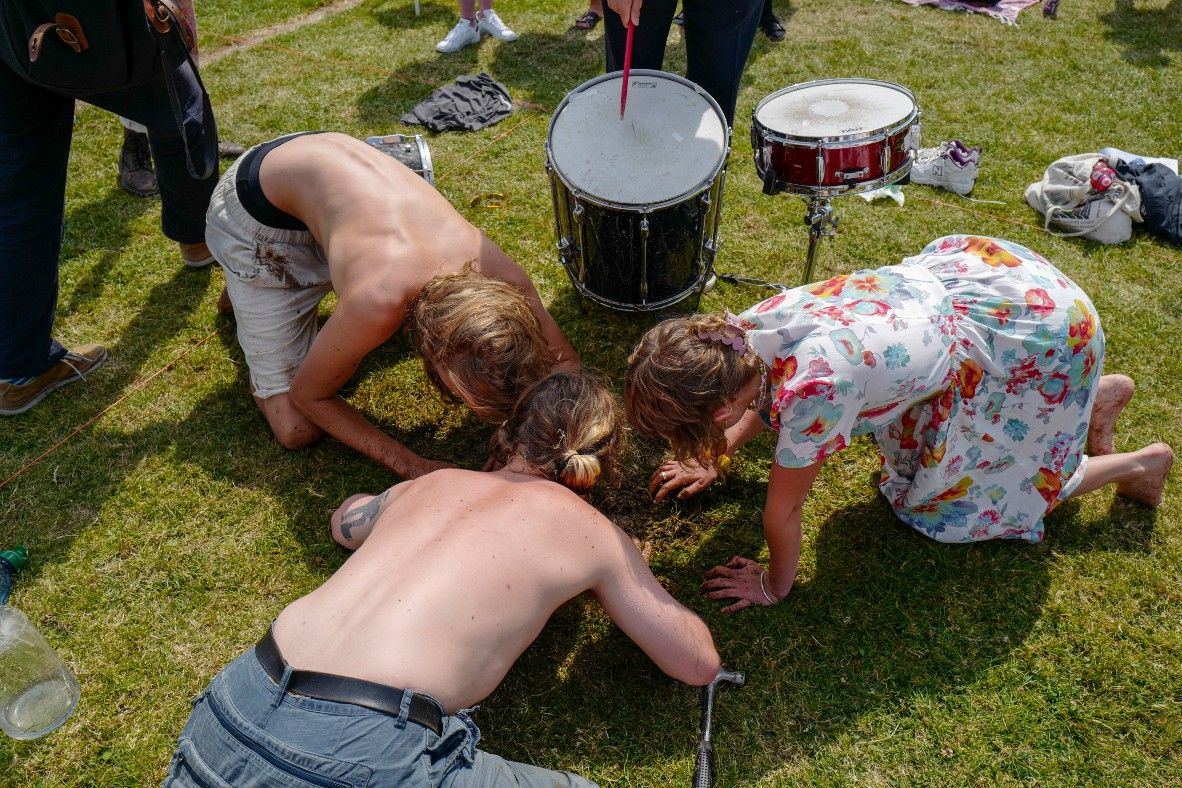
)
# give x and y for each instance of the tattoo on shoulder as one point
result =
(362, 516)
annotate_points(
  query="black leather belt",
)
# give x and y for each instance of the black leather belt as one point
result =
(342, 689)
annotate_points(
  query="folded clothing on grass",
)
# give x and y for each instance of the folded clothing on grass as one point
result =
(468, 104)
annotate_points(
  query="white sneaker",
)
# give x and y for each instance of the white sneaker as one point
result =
(490, 23)
(936, 167)
(464, 33)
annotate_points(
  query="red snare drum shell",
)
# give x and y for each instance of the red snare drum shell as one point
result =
(858, 160)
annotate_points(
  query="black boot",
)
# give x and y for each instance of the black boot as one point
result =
(136, 174)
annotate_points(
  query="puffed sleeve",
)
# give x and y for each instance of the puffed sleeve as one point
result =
(818, 385)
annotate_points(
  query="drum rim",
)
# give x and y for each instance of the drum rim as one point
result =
(638, 207)
(698, 285)
(783, 137)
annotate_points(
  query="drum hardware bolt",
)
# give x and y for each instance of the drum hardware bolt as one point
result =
(643, 259)
(578, 211)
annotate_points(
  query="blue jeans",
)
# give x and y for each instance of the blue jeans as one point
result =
(246, 731)
(35, 129)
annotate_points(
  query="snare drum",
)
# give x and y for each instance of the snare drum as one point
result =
(410, 150)
(637, 201)
(834, 136)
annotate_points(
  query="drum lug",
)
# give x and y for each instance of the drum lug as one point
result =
(820, 166)
(911, 140)
(578, 211)
(770, 187)
(711, 246)
(564, 245)
(644, 259)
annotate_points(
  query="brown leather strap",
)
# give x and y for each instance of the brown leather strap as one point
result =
(157, 16)
(36, 40)
(163, 14)
(69, 30)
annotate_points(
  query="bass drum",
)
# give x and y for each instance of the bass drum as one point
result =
(637, 200)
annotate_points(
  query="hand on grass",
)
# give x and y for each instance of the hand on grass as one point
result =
(691, 477)
(739, 580)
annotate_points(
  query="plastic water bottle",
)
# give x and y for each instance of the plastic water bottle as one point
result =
(38, 692)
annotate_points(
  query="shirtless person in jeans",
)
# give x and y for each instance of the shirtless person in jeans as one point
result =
(305, 214)
(368, 677)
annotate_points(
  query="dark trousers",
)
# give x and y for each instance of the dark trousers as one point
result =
(718, 37)
(35, 129)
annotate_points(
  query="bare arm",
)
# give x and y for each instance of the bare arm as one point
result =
(745, 580)
(353, 521)
(351, 332)
(673, 637)
(496, 264)
(694, 476)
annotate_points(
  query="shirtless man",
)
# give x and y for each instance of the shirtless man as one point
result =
(369, 676)
(305, 214)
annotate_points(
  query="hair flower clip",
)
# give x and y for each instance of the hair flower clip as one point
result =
(732, 335)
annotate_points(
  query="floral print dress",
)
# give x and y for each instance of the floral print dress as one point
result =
(973, 364)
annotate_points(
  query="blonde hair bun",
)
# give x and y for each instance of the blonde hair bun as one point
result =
(580, 471)
(569, 427)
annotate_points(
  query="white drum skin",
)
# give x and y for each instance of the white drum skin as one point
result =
(637, 200)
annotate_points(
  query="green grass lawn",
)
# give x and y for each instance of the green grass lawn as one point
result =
(169, 531)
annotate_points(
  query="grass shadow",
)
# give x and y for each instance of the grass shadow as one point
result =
(115, 211)
(883, 616)
(400, 14)
(1148, 35)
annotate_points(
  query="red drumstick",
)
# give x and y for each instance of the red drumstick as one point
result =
(627, 68)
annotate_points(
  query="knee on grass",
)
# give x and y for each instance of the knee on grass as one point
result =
(295, 437)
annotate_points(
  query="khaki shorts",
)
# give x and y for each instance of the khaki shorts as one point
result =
(275, 279)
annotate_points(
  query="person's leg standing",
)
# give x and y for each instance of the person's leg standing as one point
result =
(184, 199)
(648, 43)
(35, 130)
(718, 38)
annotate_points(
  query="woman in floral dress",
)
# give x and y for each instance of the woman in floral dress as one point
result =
(975, 365)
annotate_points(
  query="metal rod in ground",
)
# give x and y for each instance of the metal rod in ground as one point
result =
(704, 762)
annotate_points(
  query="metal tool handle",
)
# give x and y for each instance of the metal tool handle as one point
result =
(704, 763)
(704, 766)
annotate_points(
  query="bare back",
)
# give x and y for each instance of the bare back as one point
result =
(460, 574)
(379, 223)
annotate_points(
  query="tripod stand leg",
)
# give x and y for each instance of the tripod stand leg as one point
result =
(814, 242)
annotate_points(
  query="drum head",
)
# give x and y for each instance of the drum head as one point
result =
(671, 142)
(835, 109)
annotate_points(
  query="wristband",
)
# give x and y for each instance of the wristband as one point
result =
(763, 588)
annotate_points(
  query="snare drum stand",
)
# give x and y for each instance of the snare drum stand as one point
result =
(822, 223)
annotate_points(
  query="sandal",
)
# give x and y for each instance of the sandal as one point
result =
(587, 21)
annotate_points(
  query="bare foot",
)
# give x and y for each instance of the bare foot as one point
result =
(227, 308)
(1114, 392)
(1156, 459)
